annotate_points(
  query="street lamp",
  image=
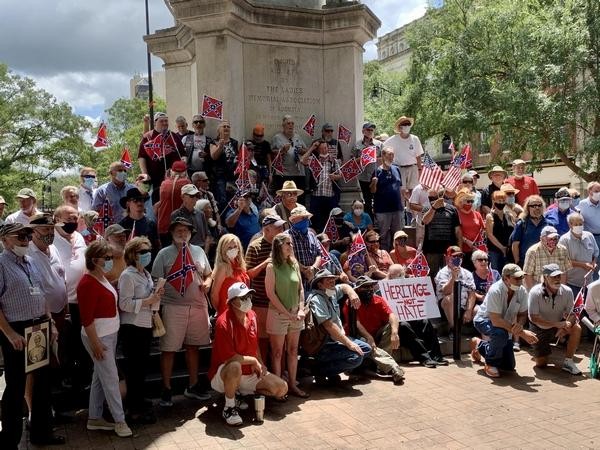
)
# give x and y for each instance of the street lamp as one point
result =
(149, 56)
(378, 88)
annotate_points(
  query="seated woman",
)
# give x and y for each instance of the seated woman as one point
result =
(483, 275)
(357, 218)
(230, 267)
(376, 257)
(402, 253)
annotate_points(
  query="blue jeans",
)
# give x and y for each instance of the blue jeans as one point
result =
(335, 358)
(497, 260)
(498, 351)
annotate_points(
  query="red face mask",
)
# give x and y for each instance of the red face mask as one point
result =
(467, 207)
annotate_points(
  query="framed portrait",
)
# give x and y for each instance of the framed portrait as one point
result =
(37, 350)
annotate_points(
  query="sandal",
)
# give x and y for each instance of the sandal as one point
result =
(299, 393)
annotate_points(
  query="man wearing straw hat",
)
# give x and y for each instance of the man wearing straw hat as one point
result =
(407, 152)
(289, 194)
(497, 176)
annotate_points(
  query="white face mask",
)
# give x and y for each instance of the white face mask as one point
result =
(514, 287)
(358, 211)
(405, 129)
(596, 196)
(330, 292)
(577, 229)
(563, 205)
(245, 305)
(232, 253)
(20, 251)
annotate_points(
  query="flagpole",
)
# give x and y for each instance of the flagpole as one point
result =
(585, 277)
(149, 57)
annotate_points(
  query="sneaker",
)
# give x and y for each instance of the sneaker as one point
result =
(232, 416)
(491, 371)
(122, 430)
(196, 392)
(475, 355)
(517, 346)
(166, 398)
(569, 366)
(100, 424)
(398, 377)
(429, 363)
(440, 361)
(241, 404)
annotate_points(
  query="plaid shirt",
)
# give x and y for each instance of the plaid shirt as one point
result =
(538, 256)
(324, 184)
(306, 247)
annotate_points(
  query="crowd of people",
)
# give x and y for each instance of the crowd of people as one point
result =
(266, 276)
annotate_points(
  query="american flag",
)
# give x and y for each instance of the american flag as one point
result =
(212, 107)
(431, 175)
(368, 155)
(315, 167)
(418, 267)
(182, 271)
(126, 158)
(101, 136)
(331, 230)
(452, 177)
(579, 304)
(105, 218)
(344, 134)
(309, 126)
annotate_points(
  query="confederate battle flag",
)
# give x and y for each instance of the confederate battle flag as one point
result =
(344, 134)
(105, 218)
(212, 107)
(277, 163)
(315, 167)
(126, 158)
(368, 155)
(309, 126)
(418, 267)
(154, 148)
(101, 136)
(182, 271)
(331, 230)
(350, 170)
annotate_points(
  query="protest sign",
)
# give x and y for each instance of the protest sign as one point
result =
(410, 298)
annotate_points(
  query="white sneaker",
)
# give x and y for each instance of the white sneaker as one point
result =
(232, 416)
(517, 346)
(122, 429)
(569, 366)
(100, 424)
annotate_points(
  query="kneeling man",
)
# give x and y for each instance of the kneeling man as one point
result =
(236, 364)
(498, 319)
(551, 316)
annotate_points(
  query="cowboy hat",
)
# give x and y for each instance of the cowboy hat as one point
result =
(289, 186)
(402, 120)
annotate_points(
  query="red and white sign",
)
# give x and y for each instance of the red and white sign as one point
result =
(410, 298)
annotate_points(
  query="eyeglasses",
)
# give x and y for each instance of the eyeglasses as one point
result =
(23, 237)
(143, 252)
(468, 181)
(198, 122)
(328, 131)
(482, 259)
(372, 242)
(536, 205)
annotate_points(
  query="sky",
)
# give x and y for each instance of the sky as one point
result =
(85, 54)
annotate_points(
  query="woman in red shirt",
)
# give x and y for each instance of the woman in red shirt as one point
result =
(402, 253)
(472, 226)
(230, 267)
(100, 327)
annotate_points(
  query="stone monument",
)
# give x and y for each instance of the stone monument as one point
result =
(266, 59)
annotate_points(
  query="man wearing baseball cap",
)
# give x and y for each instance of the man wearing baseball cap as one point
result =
(333, 146)
(170, 199)
(556, 215)
(364, 178)
(551, 316)
(27, 207)
(187, 211)
(113, 191)
(236, 363)
(499, 320)
(547, 251)
(525, 184)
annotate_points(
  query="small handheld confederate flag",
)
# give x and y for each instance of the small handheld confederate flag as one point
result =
(126, 158)
(331, 230)
(243, 162)
(350, 170)
(182, 272)
(325, 256)
(212, 107)
(277, 163)
(309, 126)
(154, 148)
(418, 267)
(357, 245)
(315, 167)
(344, 134)
(579, 304)
(105, 218)
(101, 136)
(368, 155)
(468, 162)
(431, 175)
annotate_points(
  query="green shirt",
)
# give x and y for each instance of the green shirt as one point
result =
(287, 285)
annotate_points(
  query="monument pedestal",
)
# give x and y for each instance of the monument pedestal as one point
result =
(266, 59)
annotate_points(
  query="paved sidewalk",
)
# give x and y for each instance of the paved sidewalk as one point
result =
(447, 407)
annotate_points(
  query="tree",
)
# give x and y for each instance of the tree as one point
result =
(38, 135)
(525, 72)
(382, 90)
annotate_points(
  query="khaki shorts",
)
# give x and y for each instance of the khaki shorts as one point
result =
(261, 320)
(280, 325)
(410, 176)
(247, 383)
(545, 338)
(185, 325)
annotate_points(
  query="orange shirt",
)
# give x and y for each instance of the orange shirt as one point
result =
(170, 200)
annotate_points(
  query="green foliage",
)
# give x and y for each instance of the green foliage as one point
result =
(39, 136)
(382, 90)
(526, 72)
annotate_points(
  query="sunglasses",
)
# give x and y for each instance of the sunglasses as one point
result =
(259, 135)
(93, 177)
(23, 237)
(482, 259)
(537, 205)
(470, 201)
(372, 242)
(198, 122)
(468, 181)
(143, 252)
(290, 194)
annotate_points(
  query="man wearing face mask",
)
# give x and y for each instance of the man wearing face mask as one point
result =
(525, 184)
(551, 316)
(547, 251)
(187, 211)
(557, 216)
(237, 365)
(378, 326)
(582, 250)
(444, 284)
(306, 244)
(407, 151)
(185, 316)
(87, 187)
(499, 319)
(113, 191)
(71, 250)
(27, 207)
(590, 210)
(22, 304)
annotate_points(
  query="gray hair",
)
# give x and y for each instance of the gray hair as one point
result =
(478, 254)
(573, 216)
(287, 118)
(196, 176)
(180, 119)
(396, 271)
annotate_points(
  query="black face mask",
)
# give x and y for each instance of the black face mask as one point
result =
(432, 199)
(338, 222)
(499, 205)
(365, 296)
(69, 227)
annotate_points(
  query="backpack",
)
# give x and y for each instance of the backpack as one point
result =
(314, 335)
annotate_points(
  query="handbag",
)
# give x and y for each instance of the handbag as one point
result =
(314, 335)
(158, 328)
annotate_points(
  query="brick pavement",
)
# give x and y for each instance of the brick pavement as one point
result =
(446, 407)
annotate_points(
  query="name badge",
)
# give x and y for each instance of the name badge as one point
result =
(35, 290)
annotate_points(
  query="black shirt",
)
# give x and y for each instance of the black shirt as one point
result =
(440, 232)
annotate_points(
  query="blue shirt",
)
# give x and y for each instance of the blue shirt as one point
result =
(527, 234)
(111, 191)
(246, 225)
(387, 198)
(365, 220)
(591, 215)
(558, 219)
